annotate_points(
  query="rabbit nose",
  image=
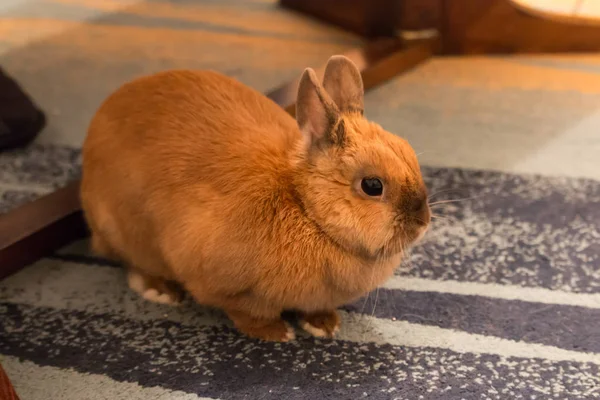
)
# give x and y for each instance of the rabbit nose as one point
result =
(419, 208)
(417, 203)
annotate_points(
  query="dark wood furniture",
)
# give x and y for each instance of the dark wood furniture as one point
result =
(7, 392)
(439, 26)
(38, 228)
(464, 26)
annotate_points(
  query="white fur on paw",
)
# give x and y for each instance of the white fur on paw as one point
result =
(316, 332)
(136, 282)
(157, 297)
(290, 334)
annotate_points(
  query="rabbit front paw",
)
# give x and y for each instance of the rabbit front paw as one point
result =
(153, 289)
(324, 324)
(270, 330)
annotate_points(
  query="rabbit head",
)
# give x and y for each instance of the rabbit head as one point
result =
(359, 183)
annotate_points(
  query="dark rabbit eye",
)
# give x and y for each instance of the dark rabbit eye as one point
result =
(372, 187)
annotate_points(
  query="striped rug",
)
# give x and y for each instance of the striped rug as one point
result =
(500, 301)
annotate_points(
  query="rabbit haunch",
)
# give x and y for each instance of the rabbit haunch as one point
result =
(197, 181)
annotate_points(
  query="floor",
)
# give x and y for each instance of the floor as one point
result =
(70, 54)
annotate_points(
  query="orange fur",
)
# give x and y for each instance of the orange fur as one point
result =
(190, 176)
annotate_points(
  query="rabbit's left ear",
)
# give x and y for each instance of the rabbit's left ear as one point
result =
(344, 84)
(316, 112)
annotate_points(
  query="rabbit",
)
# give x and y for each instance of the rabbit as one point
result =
(200, 184)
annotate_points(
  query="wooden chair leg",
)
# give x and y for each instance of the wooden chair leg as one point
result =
(43, 226)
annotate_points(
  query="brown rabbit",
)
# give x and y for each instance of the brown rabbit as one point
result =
(192, 178)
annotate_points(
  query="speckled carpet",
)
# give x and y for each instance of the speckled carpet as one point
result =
(501, 300)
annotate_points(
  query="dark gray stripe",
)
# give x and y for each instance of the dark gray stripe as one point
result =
(218, 362)
(68, 285)
(40, 164)
(537, 199)
(523, 230)
(567, 327)
(10, 199)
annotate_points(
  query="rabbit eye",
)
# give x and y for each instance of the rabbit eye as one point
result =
(372, 187)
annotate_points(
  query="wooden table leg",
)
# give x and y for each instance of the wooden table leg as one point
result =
(41, 227)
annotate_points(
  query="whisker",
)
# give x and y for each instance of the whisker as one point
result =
(365, 302)
(406, 255)
(362, 309)
(373, 310)
(445, 217)
(442, 191)
(375, 303)
(368, 294)
(408, 259)
(420, 220)
(435, 234)
(435, 203)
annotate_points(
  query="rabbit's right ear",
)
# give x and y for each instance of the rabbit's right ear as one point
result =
(344, 84)
(316, 113)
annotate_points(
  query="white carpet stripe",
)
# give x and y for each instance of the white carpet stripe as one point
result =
(65, 384)
(497, 291)
(401, 333)
(70, 286)
(491, 290)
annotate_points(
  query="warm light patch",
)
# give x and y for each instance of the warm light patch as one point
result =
(585, 11)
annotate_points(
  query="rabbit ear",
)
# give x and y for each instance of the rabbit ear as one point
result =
(316, 113)
(343, 82)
